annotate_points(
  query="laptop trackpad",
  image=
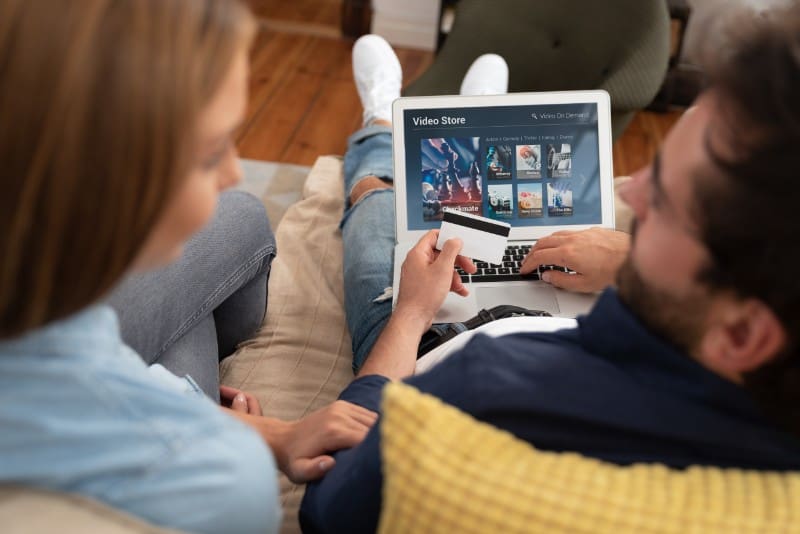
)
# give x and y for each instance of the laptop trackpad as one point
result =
(530, 295)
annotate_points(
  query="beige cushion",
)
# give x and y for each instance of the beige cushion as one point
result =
(32, 511)
(301, 359)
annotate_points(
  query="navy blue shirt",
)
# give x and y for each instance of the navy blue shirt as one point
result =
(608, 389)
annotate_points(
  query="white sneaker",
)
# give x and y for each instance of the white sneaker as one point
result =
(378, 77)
(488, 75)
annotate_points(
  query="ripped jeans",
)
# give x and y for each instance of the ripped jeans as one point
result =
(369, 239)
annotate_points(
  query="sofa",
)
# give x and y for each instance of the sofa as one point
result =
(301, 359)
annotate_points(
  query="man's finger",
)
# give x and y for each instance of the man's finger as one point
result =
(449, 252)
(550, 241)
(346, 437)
(356, 409)
(365, 417)
(426, 246)
(466, 264)
(571, 282)
(429, 239)
(457, 286)
(548, 256)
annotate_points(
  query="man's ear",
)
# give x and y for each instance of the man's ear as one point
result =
(742, 336)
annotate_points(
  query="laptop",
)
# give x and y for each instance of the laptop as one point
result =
(540, 162)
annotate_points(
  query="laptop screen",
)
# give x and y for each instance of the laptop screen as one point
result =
(531, 165)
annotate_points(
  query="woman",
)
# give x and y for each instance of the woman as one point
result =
(116, 121)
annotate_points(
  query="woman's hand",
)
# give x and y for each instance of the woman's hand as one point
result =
(239, 401)
(428, 274)
(594, 254)
(301, 447)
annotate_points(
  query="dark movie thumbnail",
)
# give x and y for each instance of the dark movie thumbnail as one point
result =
(451, 176)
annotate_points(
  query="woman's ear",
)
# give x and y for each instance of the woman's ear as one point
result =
(742, 336)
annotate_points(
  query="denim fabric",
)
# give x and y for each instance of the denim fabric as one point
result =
(192, 313)
(81, 412)
(369, 153)
(369, 239)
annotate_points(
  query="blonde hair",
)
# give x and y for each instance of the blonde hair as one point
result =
(98, 107)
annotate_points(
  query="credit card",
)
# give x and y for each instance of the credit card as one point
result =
(484, 239)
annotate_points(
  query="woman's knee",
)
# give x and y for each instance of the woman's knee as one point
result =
(242, 219)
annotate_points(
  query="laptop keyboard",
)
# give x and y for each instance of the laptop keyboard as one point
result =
(508, 270)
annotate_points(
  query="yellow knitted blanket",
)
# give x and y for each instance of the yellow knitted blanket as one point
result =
(446, 472)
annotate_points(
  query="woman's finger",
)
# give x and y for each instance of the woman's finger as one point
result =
(239, 403)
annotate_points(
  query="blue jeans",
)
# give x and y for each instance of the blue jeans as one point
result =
(192, 313)
(369, 238)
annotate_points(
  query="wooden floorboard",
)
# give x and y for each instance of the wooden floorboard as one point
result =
(306, 12)
(303, 102)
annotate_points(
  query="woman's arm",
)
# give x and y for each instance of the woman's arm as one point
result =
(300, 447)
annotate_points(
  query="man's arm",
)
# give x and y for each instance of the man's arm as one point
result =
(427, 276)
(348, 499)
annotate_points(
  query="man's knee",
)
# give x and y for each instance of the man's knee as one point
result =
(366, 185)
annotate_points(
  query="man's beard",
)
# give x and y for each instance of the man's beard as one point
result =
(678, 320)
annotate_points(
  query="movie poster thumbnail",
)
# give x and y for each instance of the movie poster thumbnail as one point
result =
(500, 201)
(498, 162)
(559, 161)
(451, 176)
(529, 161)
(559, 199)
(529, 201)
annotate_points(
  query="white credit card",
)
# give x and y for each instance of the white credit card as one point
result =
(484, 239)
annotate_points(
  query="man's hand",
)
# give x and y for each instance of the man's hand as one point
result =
(301, 446)
(428, 274)
(239, 401)
(595, 254)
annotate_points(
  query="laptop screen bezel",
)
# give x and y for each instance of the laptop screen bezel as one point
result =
(520, 233)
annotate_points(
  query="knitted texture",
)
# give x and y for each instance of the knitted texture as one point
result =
(446, 472)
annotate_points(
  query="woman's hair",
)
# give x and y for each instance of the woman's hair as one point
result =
(99, 101)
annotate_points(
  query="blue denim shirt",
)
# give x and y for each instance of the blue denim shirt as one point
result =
(81, 412)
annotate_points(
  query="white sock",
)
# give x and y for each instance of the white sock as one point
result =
(378, 77)
(488, 75)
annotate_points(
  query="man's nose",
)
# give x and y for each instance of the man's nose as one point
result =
(634, 192)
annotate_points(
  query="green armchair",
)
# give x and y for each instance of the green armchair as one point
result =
(621, 46)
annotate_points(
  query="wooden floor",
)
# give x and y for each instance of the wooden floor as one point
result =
(302, 99)
(310, 13)
(303, 102)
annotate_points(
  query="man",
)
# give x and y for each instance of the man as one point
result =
(691, 360)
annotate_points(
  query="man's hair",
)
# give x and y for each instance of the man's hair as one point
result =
(99, 101)
(750, 219)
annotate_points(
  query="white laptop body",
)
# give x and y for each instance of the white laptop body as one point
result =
(538, 161)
